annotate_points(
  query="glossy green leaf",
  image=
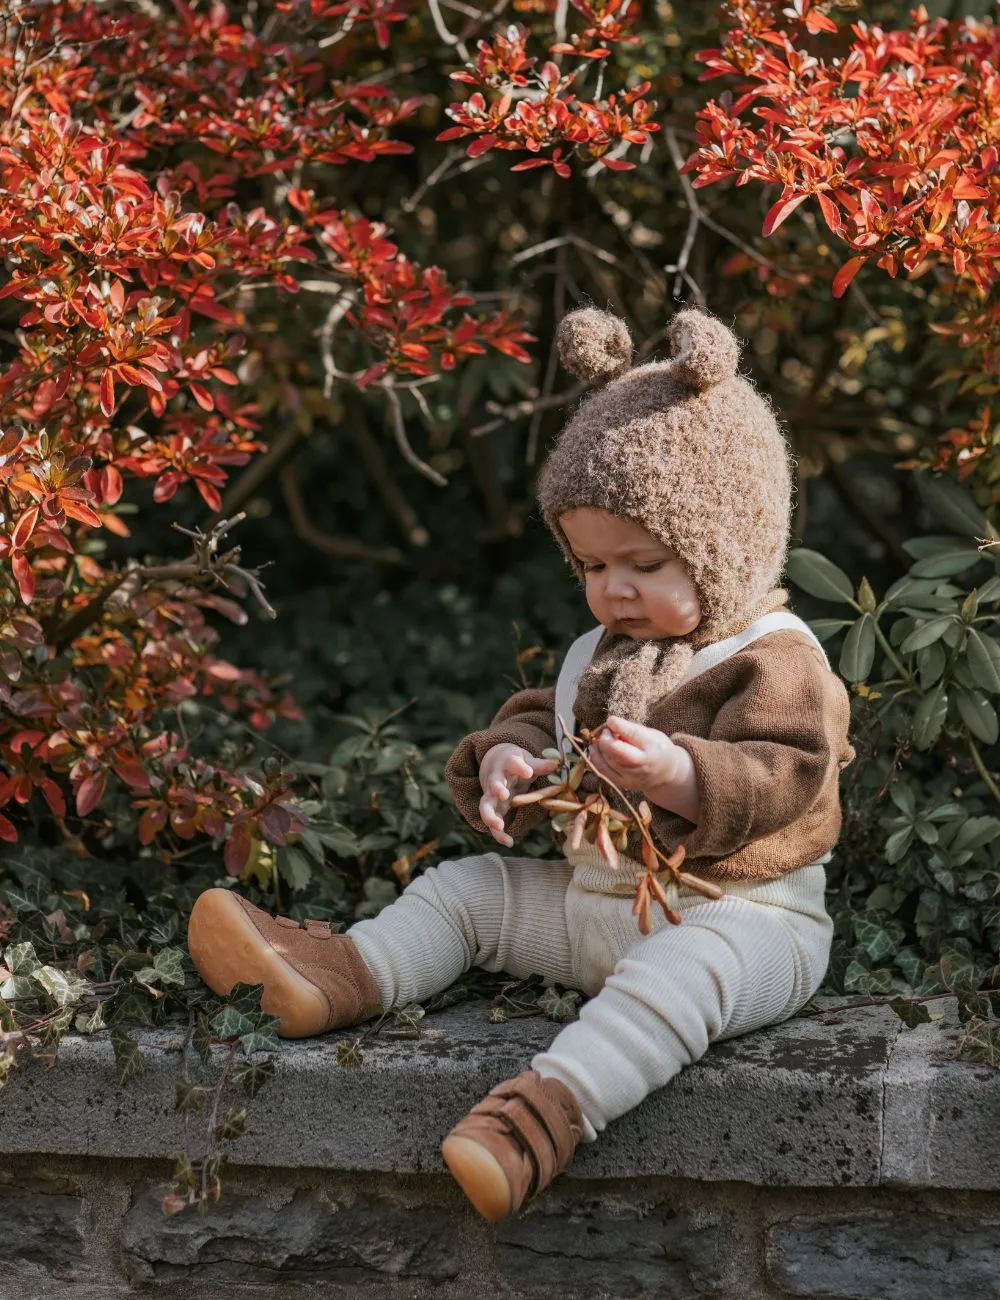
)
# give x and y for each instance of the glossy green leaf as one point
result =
(819, 576)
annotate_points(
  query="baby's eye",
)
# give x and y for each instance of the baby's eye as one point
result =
(650, 568)
(593, 568)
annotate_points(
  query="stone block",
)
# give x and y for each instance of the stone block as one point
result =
(42, 1227)
(901, 1256)
(942, 1114)
(799, 1103)
(303, 1238)
(609, 1247)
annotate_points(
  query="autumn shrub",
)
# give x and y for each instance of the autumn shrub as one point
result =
(303, 262)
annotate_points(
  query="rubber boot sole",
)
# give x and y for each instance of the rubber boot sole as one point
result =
(227, 949)
(479, 1175)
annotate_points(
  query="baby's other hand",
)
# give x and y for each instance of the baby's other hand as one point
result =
(504, 771)
(637, 757)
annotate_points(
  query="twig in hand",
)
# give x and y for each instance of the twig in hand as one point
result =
(611, 831)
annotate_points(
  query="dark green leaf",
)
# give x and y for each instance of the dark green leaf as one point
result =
(858, 651)
(911, 1013)
(929, 716)
(128, 1056)
(983, 654)
(819, 576)
(927, 632)
(953, 504)
(978, 714)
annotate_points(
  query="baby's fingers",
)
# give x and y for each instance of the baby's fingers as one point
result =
(620, 752)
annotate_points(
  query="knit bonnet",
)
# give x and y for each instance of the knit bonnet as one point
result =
(687, 448)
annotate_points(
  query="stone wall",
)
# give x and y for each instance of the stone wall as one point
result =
(835, 1156)
(94, 1230)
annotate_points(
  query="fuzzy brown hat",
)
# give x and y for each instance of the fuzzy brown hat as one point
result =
(691, 451)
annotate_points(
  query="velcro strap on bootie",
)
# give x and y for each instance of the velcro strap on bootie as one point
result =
(532, 1125)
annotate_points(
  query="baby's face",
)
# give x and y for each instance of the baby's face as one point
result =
(636, 586)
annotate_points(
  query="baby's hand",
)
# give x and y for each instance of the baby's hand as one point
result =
(642, 758)
(504, 771)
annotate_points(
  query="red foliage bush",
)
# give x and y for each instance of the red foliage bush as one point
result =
(127, 133)
(895, 135)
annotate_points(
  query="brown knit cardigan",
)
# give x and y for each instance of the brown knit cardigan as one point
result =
(767, 731)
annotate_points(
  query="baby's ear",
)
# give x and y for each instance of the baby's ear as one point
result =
(705, 351)
(594, 345)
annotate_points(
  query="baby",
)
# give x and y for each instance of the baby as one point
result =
(669, 493)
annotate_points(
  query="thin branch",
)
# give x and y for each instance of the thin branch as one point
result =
(403, 443)
(518, 410)
(448, 37)
(374, 462)
(342, 548)
(699, 216)
(559, 303)
(205, 566)
(439, 172)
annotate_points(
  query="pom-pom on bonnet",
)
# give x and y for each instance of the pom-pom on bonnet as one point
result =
(687, 448)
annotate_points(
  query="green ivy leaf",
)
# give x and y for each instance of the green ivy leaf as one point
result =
(128, 1056)
(819, 576)
(230, 1023)
(169, 965)
(897, 844)
(232, 1125)
(187, 1098)
(409, 1017)
(910, 1012)
(21, 959)
(559, 1006)
(253, 1075)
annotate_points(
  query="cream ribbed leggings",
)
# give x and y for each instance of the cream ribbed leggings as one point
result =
(752, 958)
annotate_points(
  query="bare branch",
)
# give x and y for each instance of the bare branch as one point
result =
(374, 462)
(342, 548)
(206, 568)
(448, 37)
(702, 217)
(403, 443)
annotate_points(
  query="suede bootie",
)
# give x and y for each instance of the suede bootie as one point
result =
(513, 1143)
(313, 980)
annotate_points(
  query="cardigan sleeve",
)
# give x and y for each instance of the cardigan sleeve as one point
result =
(527, 719)
(773, 746)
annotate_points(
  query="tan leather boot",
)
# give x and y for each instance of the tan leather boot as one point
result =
(513, 1143)
(313, 980)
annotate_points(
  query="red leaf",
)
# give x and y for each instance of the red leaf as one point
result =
(831, 213)
(7, 831)
(615, 165)
(846, 274)
(151, 823)
(238, 848)
(90, 793)
(128, 769)
(817, 22)
(782, 209)
(483, 145)
(53, 797)
(24, 575)
(203, 397)
(111, 485)
(108, 393)
(24, 528)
